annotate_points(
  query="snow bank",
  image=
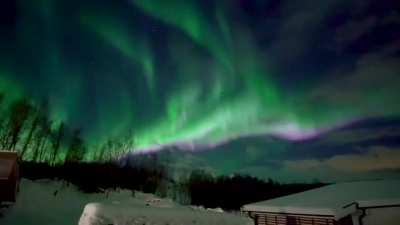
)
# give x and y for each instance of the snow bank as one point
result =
(133, 214)
(146, 209)
(47, 202)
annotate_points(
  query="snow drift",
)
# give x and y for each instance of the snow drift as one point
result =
(47, 202)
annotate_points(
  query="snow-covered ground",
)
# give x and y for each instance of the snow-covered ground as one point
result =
(53, 203)
(134, 214)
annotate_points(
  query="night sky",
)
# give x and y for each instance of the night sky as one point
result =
(293, 90)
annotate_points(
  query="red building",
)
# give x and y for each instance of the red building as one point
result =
(9, 176)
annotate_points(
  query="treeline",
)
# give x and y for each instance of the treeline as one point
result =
(27, 128)
(232, 192)
(199, 188)
(96, 177)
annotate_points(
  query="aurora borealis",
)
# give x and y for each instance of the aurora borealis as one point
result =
(196, 75)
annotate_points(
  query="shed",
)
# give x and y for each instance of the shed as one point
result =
(350, 203)
(9, 176)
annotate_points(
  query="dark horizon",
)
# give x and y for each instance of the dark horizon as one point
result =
(292, 90)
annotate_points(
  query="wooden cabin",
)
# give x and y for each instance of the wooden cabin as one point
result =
(9, 176)
(353, 203)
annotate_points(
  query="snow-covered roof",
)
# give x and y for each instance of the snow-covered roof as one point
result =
(333, 200)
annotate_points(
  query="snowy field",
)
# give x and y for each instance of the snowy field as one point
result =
(52, 203)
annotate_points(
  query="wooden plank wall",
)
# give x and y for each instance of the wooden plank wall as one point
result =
(282, 219)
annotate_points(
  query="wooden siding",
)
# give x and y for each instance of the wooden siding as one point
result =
(10, 181)
(287, 219)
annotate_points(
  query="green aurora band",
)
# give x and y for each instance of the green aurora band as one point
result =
(212, 83)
